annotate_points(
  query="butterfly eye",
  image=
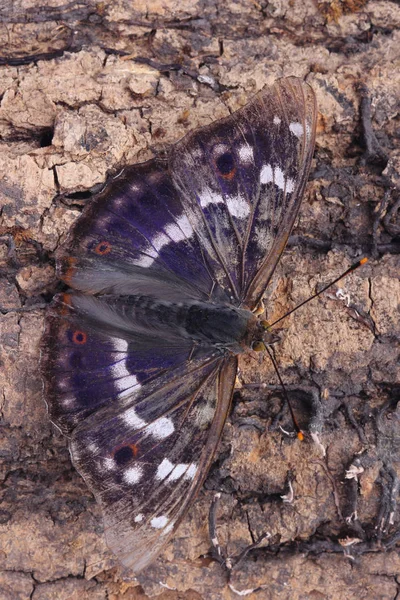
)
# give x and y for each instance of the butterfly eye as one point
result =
(102, 248)
(79, 337)
(258, 346)
(225, 164)
(265, 325)
(125, 454)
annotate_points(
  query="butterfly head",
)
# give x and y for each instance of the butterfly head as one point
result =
(265, 337)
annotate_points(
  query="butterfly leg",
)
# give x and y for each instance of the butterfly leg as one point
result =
(352, 491)
(259, 309)
(217, 551)
(390, 491)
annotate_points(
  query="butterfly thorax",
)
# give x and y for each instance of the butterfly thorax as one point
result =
(225, 326)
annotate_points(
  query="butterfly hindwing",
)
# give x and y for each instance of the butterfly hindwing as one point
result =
(145, 458)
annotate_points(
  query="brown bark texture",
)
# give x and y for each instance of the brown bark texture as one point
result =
(88, 87)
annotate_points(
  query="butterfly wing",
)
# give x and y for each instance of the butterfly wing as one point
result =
(143, 422)
(242, 179)
(93, 357)
(135, 238)
(146, 460)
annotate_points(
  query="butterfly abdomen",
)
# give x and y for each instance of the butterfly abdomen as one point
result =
(206, 323)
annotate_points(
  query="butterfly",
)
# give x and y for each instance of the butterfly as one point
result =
(165, 269)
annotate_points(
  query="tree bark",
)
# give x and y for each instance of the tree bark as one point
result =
(87, 88)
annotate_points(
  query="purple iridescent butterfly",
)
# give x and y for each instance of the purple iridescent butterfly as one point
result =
(165, 267)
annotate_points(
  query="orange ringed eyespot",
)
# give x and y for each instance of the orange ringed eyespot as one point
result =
(134, 448)
(124, 453)
(102, 248)
(225, 165)
(79, 337)
(229, 175)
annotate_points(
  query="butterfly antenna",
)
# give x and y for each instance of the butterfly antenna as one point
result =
(300, 434)
(347, 272)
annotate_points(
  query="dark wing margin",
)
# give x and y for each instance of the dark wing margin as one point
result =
(297, 108)
(146, 461)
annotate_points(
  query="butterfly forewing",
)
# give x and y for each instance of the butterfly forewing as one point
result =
(243, 178)
(169, 250)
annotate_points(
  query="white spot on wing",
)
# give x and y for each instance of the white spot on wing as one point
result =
(150, 253)
(175, 232)
(246, 154)
(207, 197)
(181, 230)
(308, 131)
(167, 529)
(205, 414)
(160, 240)
(277, 176)
(238, 206)
(220, 149)
(159, 522)
(191, 472)
(145, 261)
(161, 428)
(297, 129)
(131, 418)
(64, 384)
(184, 224)
(277, 120)
(266, 174)
(289, 185)
(178, 471)
(68, 401)
(164, 469)
(133, 474)
(120, 345)
(124, 381)
(108, 464)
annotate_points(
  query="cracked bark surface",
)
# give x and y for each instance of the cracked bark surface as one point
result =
(88, 88)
